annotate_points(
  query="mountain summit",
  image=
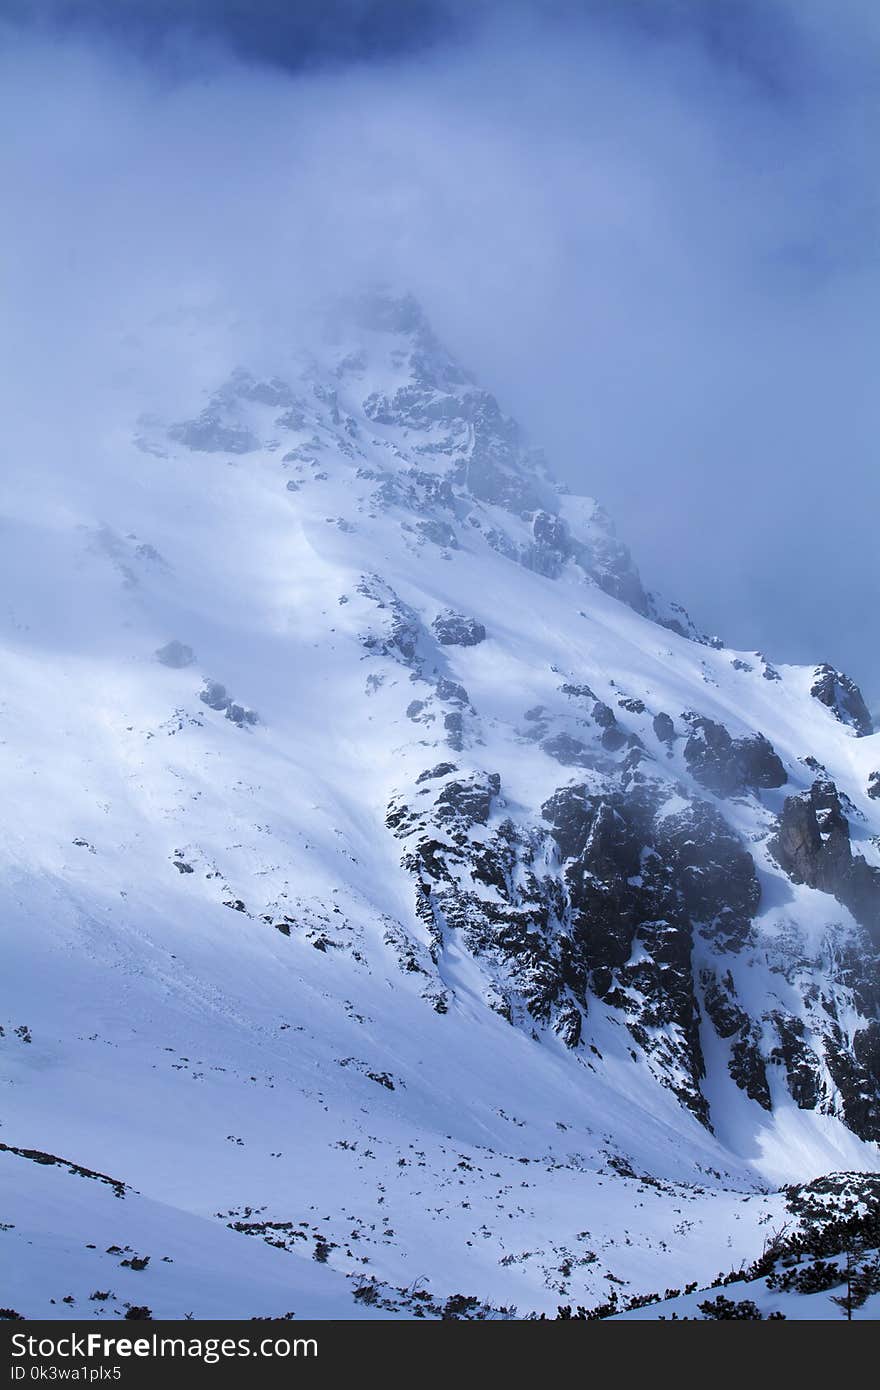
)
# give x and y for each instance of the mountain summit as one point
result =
(403, 905)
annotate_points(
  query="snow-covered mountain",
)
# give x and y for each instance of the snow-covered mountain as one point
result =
(401, 905)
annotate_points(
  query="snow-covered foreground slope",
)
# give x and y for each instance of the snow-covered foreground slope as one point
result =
(83, 1248)
(398, 899)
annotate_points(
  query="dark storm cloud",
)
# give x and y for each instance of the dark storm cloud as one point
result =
(651, 227)
(754, 35)
(290, 34)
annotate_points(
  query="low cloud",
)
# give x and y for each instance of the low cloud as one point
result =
(658, 244)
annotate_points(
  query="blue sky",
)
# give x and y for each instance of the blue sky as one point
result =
(650, 225)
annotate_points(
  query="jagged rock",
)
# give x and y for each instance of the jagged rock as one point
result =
(494, 471)
(768, 671)
(604, 715)
(455, 630)
(416, 406)
(801, 1067)
(843, 697)
(663, 727)
(552, 545)
(613, 738)
(718, 996)
(634, 875)
(477, 880)
(759, 763)
(873, 788)
(797, 845)
(441, 770)
(856, 1074)
(866, 1050)
(550, 531)
(631, 704)
(176, 655)
(715, 872)
(569, 1024)
(214, 695)
(595, 546)
(401, 635)
(861, 891)
(746, 1064)
(812, 844)
(635, 757)
(727, 766)
(710, 756)
(675, 618)
(747, 1069)
(404, 634)
(451, 691)
(240, 714)
(578, 692)
(470, 799)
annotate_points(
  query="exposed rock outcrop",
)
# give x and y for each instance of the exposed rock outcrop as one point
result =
(215, 696)
(843, 697)
(663, 727)
(729, 766)
(812, 844)
(605, 898)
(456, 630)
(732, 1022)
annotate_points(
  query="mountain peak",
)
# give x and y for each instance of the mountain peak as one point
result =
(396, 837)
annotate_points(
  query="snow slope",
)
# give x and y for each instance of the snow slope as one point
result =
(378, 905)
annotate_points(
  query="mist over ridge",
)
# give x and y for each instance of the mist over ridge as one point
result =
(654, 236)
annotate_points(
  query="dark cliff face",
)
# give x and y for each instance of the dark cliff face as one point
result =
(634, 893)
(812, 844)
(600, 898)
(729, 766)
